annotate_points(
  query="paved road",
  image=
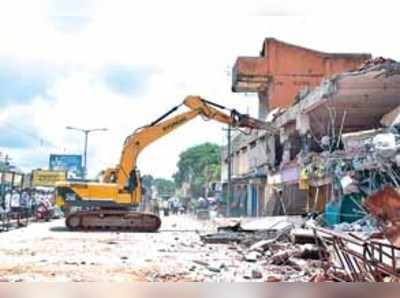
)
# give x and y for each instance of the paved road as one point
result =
(49, 252)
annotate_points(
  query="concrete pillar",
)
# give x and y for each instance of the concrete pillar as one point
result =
(249, 199)
(263, 104)
(303, 127)
(283, 136)
(270, 150)
(303, 123)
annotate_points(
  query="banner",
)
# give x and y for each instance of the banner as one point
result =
(47, 178)
(72, 164)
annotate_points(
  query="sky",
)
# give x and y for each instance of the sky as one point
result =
(121, 64)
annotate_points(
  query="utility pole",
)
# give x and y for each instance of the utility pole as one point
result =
(229, 190)
(86, 132)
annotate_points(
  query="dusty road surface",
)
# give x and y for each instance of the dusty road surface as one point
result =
(49, 252)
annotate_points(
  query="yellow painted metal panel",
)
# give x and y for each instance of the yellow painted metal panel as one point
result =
(47, 178)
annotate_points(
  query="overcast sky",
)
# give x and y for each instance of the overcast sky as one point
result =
(121, 64)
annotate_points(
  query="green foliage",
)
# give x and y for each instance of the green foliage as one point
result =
(164, 186)
(198, 166)
(3, 166)
(147, 181)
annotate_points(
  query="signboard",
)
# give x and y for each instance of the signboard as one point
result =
(11, 178)
(47, 178)
(72, 164)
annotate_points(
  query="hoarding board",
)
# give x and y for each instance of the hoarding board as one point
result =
(71, 163)
(47, 178)
(11, 178)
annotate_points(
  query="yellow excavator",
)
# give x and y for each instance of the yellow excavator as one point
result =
(113, 203)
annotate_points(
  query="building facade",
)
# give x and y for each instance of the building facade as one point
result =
(283, 69)
(265, 180)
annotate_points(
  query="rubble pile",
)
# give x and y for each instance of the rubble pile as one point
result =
(305, 251)
(341, 155)
(266, 254)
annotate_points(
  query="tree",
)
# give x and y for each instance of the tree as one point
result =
(165, 187)
(147, 181)
(198, 166)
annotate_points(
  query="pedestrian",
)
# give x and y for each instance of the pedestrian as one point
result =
(172, 205)
(7, 201)
(155, 207)
(166, 207)
(15, 201)
(24, 202)
(34, 201)
(203, 203)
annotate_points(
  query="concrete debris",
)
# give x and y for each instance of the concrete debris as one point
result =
(256, 274)
(273, 278)
(336, 160)
(262, 245)
(351, 259)
(254, 231)
(392, 118)
(298, 256)
(372, 63)
(311, 253)
(302, 236)
(216, 266)
(365, 228)
(252, 256)
(282, 257)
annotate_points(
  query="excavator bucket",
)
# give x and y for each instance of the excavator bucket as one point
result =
(253, 123)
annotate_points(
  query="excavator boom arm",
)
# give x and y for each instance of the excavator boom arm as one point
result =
(141, 138)
(113, 199)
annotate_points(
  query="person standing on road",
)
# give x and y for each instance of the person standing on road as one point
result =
(15, 201)
(24, 198)
(7, 201)
(29, 202)
(155, 206)
(171, 205)
(166, 207)
(34, 201)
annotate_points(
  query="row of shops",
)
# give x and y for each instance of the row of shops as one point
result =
(26, 195)
(335, 140)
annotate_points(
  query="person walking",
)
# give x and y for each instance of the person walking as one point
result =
(166, 207)
(15, 201)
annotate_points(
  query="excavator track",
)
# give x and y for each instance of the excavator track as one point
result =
(113, 220)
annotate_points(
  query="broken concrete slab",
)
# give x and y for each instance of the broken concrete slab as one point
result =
(366, 96)
(282, 257)
(216, 266)
(252, 256)
(302, 236)
(249, 232)
(262, 245)
(274, 278)
(391, 118)
(223, 238)
(310, 251)
(271, 223)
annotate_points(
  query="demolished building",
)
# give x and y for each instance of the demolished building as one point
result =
(333, 137)
(283, 69)
(331, 146)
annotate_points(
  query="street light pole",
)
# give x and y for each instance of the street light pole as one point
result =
(229, 190)
(86, 132)
(85, 153)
